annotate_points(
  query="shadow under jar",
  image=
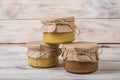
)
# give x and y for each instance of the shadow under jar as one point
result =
(80, 57)
(42, 55)
(58, 30)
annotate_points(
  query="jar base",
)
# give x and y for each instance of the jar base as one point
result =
(43, 62)
(57, 38)
(80, 67)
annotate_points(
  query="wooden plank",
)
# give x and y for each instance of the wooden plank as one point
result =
(19, 53)
(19, 31)
(14, 65)
(97, 30)
(36, 9)
(102, 45)
(59, 74)
(110, 45)
(46, 74)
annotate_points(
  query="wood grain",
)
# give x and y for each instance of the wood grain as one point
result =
(36, 9)
(14, 65)
(19, 31)
(97, 30)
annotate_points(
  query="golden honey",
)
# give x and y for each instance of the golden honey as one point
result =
(42, 55)
(42, 62)
(57, 38)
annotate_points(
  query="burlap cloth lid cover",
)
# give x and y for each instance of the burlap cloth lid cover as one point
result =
(39, 49)
(80, 51)
(59, 25)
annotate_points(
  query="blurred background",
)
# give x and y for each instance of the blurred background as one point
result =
(98, 19)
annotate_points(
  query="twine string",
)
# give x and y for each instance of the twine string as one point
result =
(101, 51)
(60, 22)
(48, 52)
(74, 52)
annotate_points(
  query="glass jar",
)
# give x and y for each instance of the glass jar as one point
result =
(58, 30)
(42, 55)
(80, 57)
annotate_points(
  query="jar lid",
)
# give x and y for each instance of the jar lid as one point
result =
(65, 24)
(40, 45)
(81, 45)
(39, 49)
(80, 51)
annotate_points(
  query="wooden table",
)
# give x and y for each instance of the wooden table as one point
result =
(13, 66)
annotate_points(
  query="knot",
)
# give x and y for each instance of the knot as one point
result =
(70, 24)
(43, 53)
(73, 52)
